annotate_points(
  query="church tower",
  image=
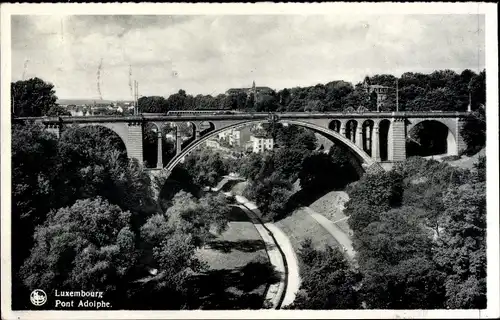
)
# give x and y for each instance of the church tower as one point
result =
(254, 93)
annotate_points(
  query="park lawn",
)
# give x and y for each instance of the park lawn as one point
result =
(234, 259)
(299, 225)
(331, 205)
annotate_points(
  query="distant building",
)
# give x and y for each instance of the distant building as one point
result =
(236, 137)
(79, 110)
(253, 90)
(381, 91)
(213, 143)
(261, 143)
(76, 113)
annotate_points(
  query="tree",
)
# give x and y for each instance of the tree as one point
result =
(250, 166)
(348, 166)
(266, 102)
(195, 217)
(335, 92)
(428, 197)
(93, 162)
(178, 101)
(172, 252)
(327, 281)
(358, 97)
(152, 104)
(293, 137)
(477, 87)
(317, 172)
(474, 131)
(32, 98)
(462, 246)
(372, 195)
(271, 194)
(88, 246)
(57, 110)
(34, 157)
(414, 283)
(395, 257)
(206, 166)
(171, 240)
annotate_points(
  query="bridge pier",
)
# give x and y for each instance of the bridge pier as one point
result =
(375, 143)
(133, 142)
(178, 141)
(159, 161)
(397, 140)
(342, 128)
(459, 140)
(359, 138)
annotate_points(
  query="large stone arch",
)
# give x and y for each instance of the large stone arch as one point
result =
(453, 139)
(365, 159)
(119, 129)
(129, 132)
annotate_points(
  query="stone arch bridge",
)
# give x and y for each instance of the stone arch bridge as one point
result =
(373, 137)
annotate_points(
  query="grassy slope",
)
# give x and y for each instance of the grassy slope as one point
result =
(331, 205)
(300, 225)
(234, 257)
(468, 162)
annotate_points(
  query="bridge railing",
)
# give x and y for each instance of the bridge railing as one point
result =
(244, 116)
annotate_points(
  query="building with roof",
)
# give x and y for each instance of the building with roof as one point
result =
(252, 90)
(260, 143)
(381, 91)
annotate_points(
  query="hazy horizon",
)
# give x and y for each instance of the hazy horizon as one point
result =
(210, 54)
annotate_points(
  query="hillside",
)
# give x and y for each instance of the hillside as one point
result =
(331, 205)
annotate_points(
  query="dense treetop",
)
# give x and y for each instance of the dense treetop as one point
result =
(443, 90)
(419, 233)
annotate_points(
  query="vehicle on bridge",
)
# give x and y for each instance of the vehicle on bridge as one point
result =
(201, 111)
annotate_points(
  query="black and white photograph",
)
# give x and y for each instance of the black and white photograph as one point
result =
(279, 158)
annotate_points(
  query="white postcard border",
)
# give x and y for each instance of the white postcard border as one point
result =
(491, 63)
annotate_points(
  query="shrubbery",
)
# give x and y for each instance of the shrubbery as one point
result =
(410, 226)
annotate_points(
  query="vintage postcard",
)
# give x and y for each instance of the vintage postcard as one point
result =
(249, 161)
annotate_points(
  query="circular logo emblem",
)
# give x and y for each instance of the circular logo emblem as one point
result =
(38, 297)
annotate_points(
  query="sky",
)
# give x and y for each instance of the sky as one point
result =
(210, 54)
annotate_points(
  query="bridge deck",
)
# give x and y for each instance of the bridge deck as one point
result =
(242, 116)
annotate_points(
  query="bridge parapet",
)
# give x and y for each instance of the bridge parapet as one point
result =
(245, 116)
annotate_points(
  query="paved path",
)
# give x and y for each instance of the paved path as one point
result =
(342, 238)
(281, 255)
(225, 180)
(275, 290)
(293, 280)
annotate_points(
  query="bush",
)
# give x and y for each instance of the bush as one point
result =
(450, 158)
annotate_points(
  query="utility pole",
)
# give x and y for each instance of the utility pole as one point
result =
(136, 97)
(397, 96)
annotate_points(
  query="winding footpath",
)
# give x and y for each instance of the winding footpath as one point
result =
(342, 238)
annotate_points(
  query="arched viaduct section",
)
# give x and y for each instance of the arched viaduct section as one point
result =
(129, 131)
(455, 141)
(367, 161)
(372, 136)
